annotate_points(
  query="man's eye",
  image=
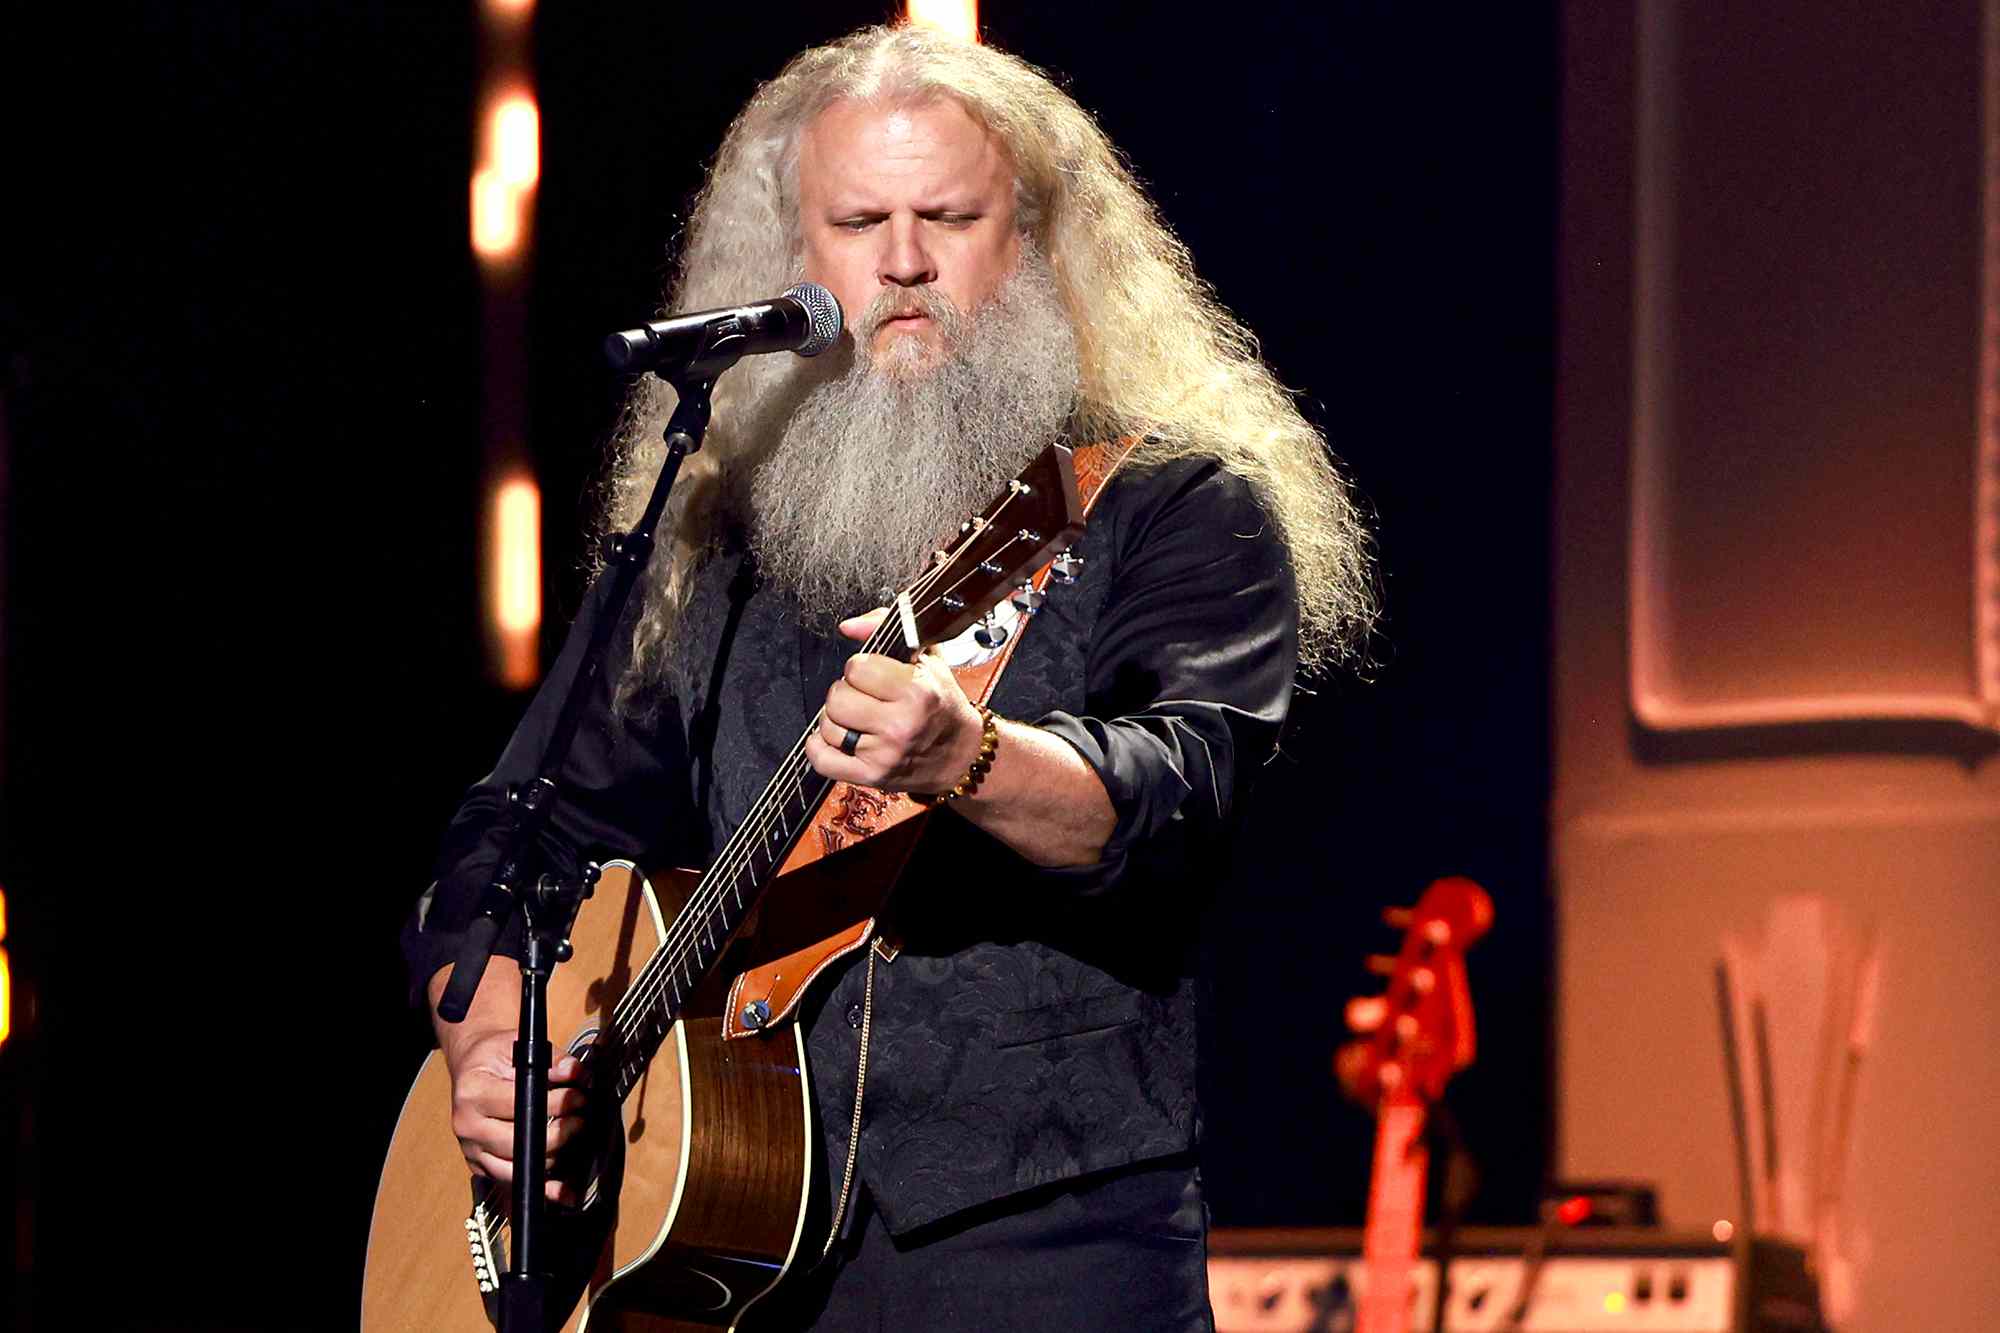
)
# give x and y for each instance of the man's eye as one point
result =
(855, 224)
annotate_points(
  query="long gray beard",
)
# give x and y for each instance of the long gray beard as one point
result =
(878, 467)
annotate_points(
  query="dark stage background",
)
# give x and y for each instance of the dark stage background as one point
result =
(243, 675)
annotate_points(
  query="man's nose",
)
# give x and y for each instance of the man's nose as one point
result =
(906, 261)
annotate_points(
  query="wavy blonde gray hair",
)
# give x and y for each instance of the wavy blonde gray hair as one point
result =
(1158, 356)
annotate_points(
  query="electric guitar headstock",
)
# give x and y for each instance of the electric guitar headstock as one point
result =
(1415, 1036)
(1419, 1031)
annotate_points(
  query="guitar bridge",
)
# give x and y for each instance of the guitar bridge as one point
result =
(482, 1237)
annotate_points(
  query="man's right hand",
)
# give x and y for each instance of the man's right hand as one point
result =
(480, 1055)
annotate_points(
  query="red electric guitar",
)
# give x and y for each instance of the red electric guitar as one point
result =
(1416, 1035)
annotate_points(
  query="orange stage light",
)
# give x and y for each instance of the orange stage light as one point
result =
(959, 18)
(505, 180)
(514, 140)
(517, 579)
(517, 521)
(496, 215)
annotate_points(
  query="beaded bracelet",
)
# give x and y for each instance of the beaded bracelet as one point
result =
(989, 744)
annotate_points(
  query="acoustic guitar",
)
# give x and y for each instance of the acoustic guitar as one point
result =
(1417, 1034)
(701, 1198)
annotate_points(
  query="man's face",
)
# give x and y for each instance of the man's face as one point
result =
(898, 197)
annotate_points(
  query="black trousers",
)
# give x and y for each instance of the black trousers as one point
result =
(1124, 1250)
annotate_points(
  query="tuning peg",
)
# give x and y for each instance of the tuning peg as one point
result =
(1067, 566)
(1438, 932)
(1381, 964)
(1028, 599)
(989, 633)
(1365, 1013)
(1422, 980)
(1397, 918)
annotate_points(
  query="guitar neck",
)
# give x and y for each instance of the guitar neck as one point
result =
(1395, 1218)
(719, 903)
(1419, 1033)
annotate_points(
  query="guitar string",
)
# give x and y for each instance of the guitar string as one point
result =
(753, 831)
(651, 983)
(756, 826)
(622, 1012)
(487, 1187)
(692, 921)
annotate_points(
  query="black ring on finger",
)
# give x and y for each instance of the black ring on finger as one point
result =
(849, 741)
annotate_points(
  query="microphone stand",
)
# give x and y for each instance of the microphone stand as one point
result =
(550, 905)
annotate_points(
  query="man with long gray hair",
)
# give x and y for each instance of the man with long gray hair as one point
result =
(1027, 1121)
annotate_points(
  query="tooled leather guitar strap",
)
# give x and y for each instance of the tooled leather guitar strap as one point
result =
(850, 813)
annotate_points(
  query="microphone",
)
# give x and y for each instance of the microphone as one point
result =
(806, 320)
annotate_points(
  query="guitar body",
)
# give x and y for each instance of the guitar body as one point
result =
(705, 1199)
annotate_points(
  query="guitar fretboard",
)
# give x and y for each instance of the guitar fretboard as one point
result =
(720, 901)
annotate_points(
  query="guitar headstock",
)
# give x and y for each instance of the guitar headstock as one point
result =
(1419, 1031)
(1036, 516)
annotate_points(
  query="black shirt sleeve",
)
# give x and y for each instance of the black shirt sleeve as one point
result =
(1190, 668)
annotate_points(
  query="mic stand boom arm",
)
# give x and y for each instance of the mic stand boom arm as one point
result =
(549, 906)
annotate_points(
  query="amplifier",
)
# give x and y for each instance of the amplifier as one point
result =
(1593, 1280)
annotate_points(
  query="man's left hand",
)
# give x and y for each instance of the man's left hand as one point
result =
(916, 729)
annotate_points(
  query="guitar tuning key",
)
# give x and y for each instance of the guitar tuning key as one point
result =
(1381, 964)
(989, 633)
(1028, 599)
(1365, 1013)
(1066, 567)
(1397, 918)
